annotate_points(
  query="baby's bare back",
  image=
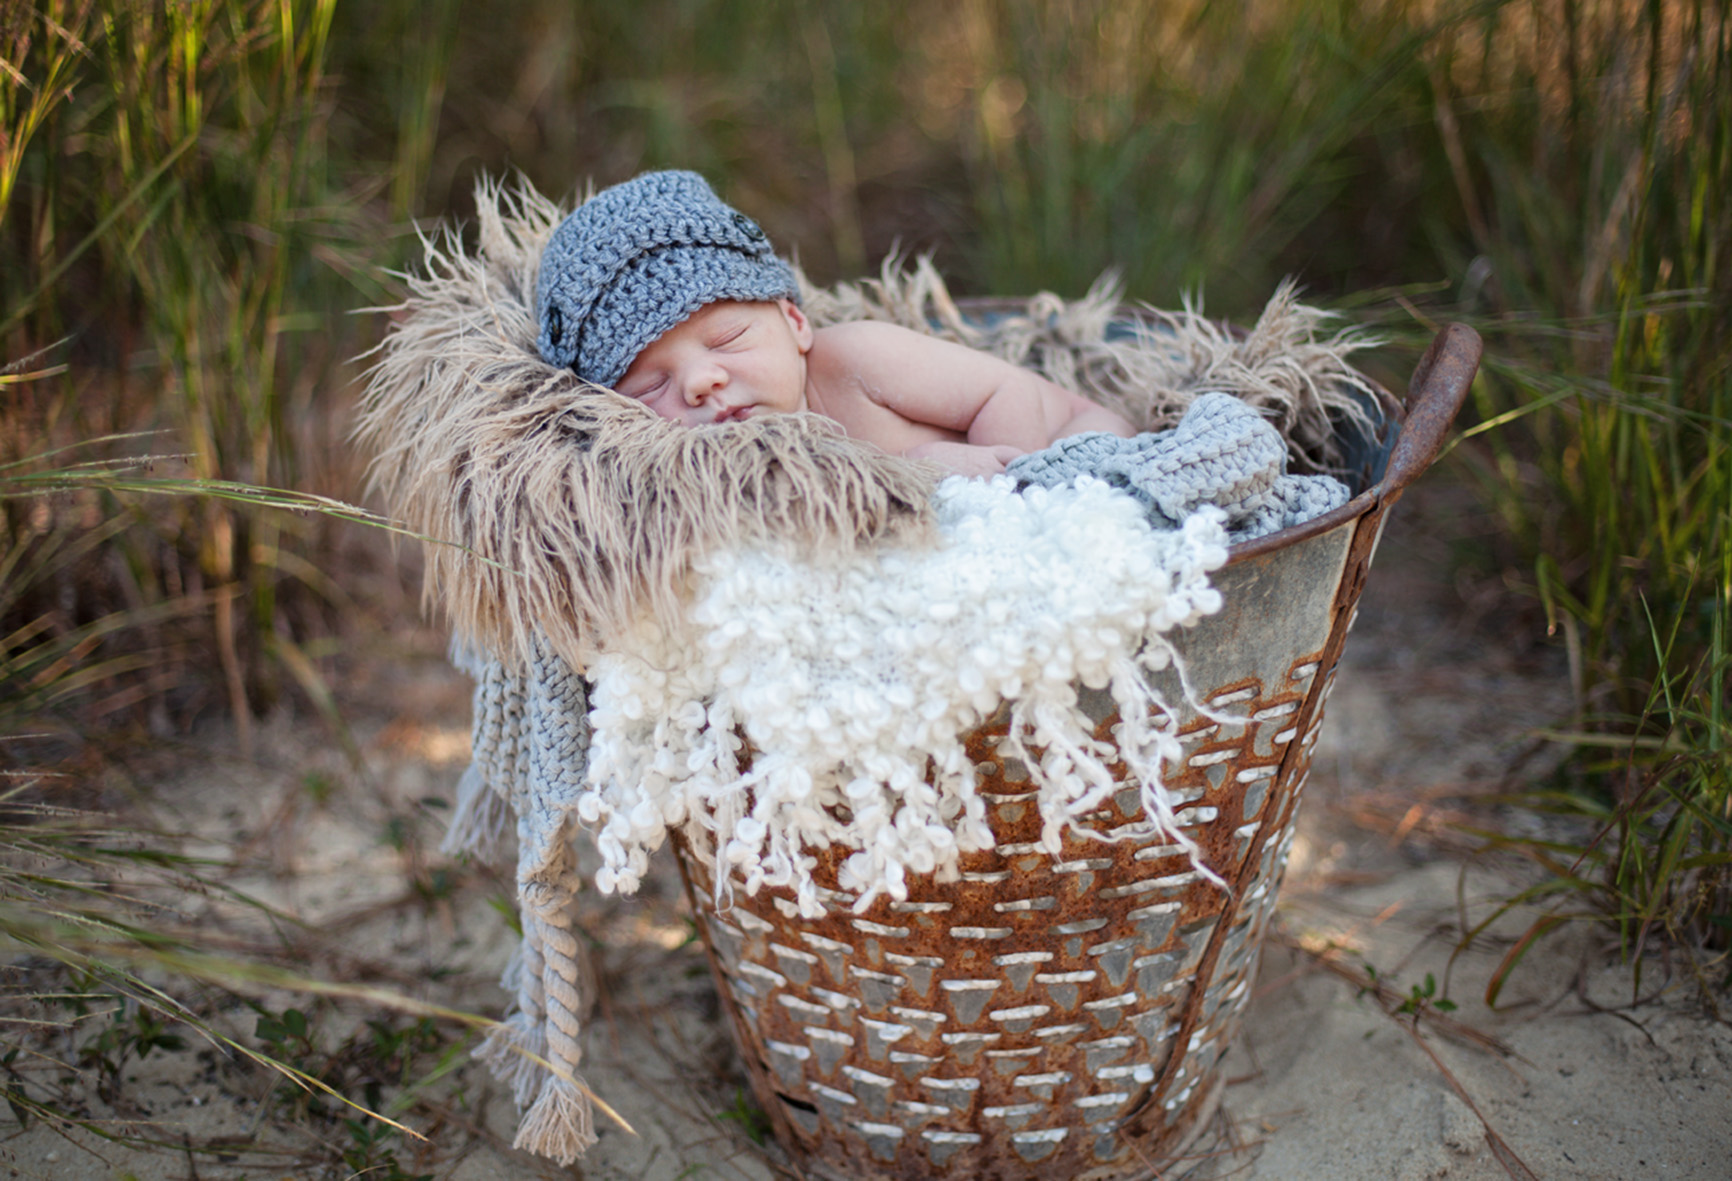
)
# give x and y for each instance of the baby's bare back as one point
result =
(926, 398)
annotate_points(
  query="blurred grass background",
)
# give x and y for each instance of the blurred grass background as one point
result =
(195, 195)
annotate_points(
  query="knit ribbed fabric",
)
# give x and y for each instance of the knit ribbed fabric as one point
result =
(639, 258)
(1222, 453)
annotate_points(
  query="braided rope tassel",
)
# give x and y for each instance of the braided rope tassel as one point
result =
(561, 1124)
(497, 785)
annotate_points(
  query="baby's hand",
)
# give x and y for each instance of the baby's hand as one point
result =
(967, 459)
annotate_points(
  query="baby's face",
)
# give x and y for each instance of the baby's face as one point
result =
(727, 362)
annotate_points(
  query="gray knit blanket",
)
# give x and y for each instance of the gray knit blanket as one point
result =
(1222, 453)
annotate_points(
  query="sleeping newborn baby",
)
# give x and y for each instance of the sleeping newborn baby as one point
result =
(660, 291)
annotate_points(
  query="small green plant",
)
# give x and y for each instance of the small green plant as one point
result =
(748, 1116)
(287, 1035)
(319, 787)
(14, 1090)
(133, 1032)
(1424, 996)
(1419, 1000)
(371, 1154)
(385, 1061)
(506, 908)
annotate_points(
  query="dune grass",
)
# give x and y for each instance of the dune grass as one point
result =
(192, 196)
(1606, 420)
(120, 946)
(186, 251)
(179, 252)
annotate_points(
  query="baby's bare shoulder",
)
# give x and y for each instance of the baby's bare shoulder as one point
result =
(862, 350)
(867, 346)
(865, 334)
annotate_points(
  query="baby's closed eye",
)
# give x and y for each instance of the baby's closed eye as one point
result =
(642, 388)
(737, 334)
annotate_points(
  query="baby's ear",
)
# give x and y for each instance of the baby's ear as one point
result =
(797, 322)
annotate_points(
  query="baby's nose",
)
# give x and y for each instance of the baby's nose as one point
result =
(703, 381)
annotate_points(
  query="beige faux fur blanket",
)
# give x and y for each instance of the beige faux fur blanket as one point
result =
(554, 506)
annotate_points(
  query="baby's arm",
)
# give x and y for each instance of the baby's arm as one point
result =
(999, 408)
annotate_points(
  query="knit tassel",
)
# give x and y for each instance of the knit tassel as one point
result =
(512, 973)
(514, 1051)
(531, 1008)
(561, 1125)
(482, 822)
(511, 1051)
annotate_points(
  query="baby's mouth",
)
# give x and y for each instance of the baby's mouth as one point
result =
(731, 413)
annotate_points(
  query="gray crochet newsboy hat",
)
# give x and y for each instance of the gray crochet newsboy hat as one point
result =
(637, 259)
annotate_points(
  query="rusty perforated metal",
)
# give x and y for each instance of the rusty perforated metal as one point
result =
(1061, 1017)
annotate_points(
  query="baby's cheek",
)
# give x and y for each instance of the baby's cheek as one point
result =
(672, 409)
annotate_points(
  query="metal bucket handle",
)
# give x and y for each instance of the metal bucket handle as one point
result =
(1437, 391)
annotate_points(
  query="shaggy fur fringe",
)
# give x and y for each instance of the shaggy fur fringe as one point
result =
(559, 506)
(555, 505)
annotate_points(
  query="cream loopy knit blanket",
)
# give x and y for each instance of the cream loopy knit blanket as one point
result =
(705, 579)
(851, 683)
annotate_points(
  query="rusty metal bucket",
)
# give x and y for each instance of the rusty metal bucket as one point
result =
(1065, 1017)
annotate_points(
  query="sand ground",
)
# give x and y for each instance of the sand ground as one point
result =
(1436, 700)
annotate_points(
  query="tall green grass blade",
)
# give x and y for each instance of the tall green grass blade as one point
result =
(58, 269)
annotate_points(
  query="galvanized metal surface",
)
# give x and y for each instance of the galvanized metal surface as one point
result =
(1065, 1017)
